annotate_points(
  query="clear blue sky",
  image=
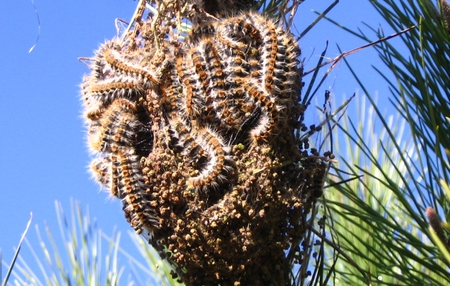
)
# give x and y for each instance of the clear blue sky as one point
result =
(43, 153)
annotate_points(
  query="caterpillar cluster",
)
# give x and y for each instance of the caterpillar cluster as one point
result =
(117, 131)
(230, 78)
(241, 73)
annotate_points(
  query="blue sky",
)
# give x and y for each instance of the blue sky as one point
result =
(43, 153)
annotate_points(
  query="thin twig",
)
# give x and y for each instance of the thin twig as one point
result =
(344, 54)
(344, 105)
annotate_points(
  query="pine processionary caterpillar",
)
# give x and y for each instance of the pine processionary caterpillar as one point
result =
(117, 129)
(212, 173)
(117, 63)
